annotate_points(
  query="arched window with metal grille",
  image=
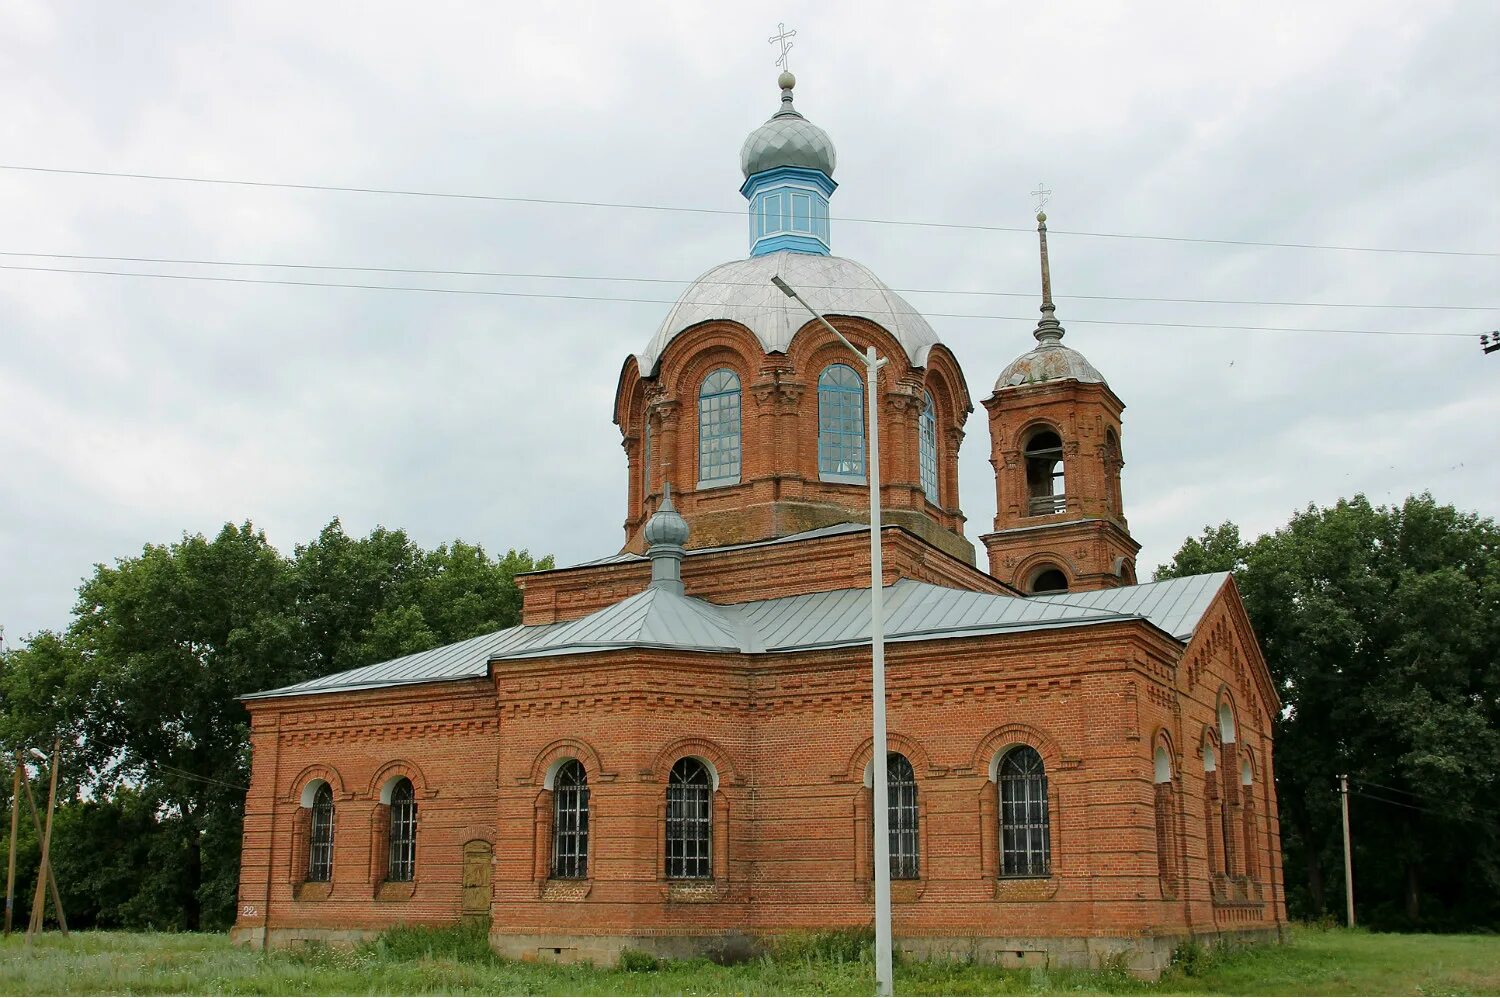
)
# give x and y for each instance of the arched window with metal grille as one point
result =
(901, 809)
(320, 836)
(690, 821)
(570, 821)
(927, 448)
(1025, 827)
(719, 429)
(841, 425)
(402, 860)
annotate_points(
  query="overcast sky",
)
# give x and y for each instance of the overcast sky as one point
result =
(134, 409)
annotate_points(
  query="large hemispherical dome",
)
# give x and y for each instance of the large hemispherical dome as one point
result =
(788, 139)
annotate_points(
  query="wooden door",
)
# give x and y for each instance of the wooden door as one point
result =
(478, 856)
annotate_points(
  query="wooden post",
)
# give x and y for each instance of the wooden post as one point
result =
(10, 867)
(44, 869)
(36, 824)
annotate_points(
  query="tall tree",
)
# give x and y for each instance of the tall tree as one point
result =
(142, 689)
(1381, 626)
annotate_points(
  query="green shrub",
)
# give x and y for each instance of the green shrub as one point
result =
(636, 962)
(850, 945)
(466, 943)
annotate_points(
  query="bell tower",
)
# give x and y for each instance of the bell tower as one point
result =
(1055, 445)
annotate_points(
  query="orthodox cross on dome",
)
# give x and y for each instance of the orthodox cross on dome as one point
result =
(1042, 196)
(784, 38)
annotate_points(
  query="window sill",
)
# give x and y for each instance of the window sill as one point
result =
(718, 483)
(395, 890)
(312, 890)
(828, 476)
(560, 889)
(695, 891)
(1025, 888)
(904, 890)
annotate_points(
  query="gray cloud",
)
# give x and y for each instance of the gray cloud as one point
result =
(131, 410)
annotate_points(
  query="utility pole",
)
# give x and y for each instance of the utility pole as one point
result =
(44, 869)
(10, 867)
(884, 983)
(1348, 858)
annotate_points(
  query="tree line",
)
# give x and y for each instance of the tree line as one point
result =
(141, 688)
(1380, 624)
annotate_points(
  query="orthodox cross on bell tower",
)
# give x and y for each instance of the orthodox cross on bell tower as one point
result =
(1042, 196)
(784, 38)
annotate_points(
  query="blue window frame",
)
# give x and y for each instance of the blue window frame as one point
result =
(841, 425)
(927, 448)
(802, 212)
(719, 429)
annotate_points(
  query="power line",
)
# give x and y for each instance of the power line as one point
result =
(516, 275)
(665, 301)
(184, 774)
(517, 199)
(1424, 810)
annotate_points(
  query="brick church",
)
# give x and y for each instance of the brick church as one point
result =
(672, 751)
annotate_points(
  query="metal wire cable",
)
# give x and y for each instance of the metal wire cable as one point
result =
(664, 301)
(516, 199)
(431, 272)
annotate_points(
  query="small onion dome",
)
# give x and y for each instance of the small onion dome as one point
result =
(788, 139)
(666, 526)
(1050, 361)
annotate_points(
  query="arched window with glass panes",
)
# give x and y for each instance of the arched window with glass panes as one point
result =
(1025, 826)
(320, 836)
(570, 822)
(690, 821)
(841, 425)
(927, 448)
(719, 429)
(401, 862)
(902, 814)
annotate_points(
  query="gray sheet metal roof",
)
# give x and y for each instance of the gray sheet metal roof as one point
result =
(658, 618)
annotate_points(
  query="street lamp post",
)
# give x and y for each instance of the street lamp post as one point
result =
(873, 364)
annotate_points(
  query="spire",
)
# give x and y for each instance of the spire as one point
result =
(1049, 332)
(666, 534)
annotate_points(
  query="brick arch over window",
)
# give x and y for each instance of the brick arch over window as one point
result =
(812, 341)
(382, 783)
(986, 761)
(719, 760)
(545, 764)
(1042, 560)
(1167, 805)
(385, 778)
(858, 767)
(298, 790)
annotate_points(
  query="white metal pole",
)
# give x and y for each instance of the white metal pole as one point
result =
(884, 983)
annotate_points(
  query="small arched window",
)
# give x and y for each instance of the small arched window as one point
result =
(901, 809)
(402, 860)
(570, 821)
(841, 425)
(1025, 826)
(927, 448)
(1166, 851)
(1048, 579)
(719, 429)
(689, 820)
(1045, 488)
(1113, 463)
(320, 836)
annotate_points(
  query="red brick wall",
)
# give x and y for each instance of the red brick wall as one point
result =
(787, 735)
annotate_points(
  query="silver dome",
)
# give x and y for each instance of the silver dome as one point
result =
(1050, 361)
(742, 292)
(788, 139)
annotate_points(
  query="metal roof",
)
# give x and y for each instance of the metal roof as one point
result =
(741, 291)
(1174, 605)
(659, 618)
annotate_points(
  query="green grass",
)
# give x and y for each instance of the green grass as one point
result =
(457, 961)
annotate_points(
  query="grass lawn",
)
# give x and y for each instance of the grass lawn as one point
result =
(1334, 962)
